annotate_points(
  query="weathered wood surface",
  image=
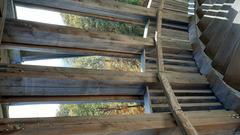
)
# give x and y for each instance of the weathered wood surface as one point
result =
(182, 121)
(20, 80)
(204, 5)
(24, 32)
(110, 10)
(221, 31)
(61, 39)
(226, 48)
(210, 14)
(232, 74)
(225, 14)
(75, 74)
(185, 125)
(206, 122)
(3, 13)
(225, 93)
(229, 96)
(147, 101)
(70, 99)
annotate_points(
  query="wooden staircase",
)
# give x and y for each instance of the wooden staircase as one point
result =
(199, 110)
(196, 98)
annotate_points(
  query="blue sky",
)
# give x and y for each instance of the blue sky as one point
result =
(37, 110)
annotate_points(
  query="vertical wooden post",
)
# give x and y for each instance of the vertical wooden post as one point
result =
(1, 112)
(3, 53)
(3, 12)
(147, 102)
(183, 122)
(143, 61)
(11, 13)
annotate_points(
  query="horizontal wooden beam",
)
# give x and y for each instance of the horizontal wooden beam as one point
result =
(206, 122)
(39, 34)
(25, 80)
(111, 10)
(38, 37)
(69, 99)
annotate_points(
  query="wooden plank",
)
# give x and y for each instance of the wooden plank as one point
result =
(25, 80)
(3, 13)
(4, 56)
(147, 101)
(158, 38)
(210, 14)
(69, 99)
(185, 99)
(111, 10)
(203, 7)
(184, 79)
(23, 40)
(220, 35)
(25, 32)
(76, 74)
(219, 22)
(64, 50)
(232, 75)
(206, 122)
(226, 48)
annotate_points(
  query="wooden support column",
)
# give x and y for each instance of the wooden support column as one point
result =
(143, 61)
(147, 101)
(4, 57)
(182, 120)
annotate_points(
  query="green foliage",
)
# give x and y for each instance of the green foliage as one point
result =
(107, 63)
(99, 109)
(133, 2)
(95, 24)
(101, 62)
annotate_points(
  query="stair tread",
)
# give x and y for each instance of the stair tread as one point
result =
(181, 91)
(180, 68)
(189, 104)
(186, 57)
(185, 97)
(180, 78)
(179, 62)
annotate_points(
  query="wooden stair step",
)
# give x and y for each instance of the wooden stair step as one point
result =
(171, 56)
(177, 50)
(152, 67)
(175, 26)
(178, 57)
(154, 92)
(181, 68)
(176, 34)
(189, 107)
(176, 43)
(179, 62)
(184, 99)
(191, 80)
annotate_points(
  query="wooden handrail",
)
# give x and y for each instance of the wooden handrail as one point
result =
(182, 120)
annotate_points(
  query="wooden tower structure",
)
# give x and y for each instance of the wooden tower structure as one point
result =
(190, 77)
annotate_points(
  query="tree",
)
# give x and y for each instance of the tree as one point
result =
(100, 109)
(101, 62)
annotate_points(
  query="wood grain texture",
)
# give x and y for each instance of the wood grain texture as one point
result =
(111, 10)
(32, 33)
(206, 122)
